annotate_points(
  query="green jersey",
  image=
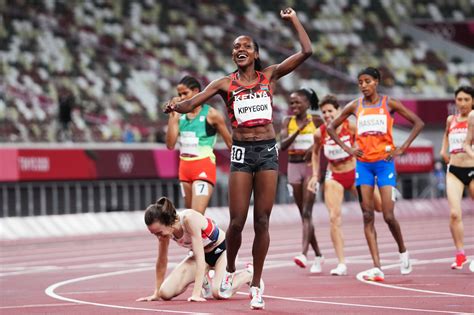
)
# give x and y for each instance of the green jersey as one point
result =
(196, 136)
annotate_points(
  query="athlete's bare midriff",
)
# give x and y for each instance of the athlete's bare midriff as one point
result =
(461, 159)
(342, 167)
(257, 133)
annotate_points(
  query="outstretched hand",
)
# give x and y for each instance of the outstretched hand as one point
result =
(150, 298)
(287, 14)
(171, 105)
(196, 299)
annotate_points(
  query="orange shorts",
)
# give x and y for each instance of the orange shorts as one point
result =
(204, 169)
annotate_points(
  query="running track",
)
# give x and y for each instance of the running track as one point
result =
(105, 274)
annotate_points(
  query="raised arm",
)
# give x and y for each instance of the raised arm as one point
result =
(470, 135)
(160, 270)
(217, 121)
(418, 124)
(188, 105)
(289, 64)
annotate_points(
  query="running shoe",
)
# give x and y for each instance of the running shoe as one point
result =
(257, 302)
(225, 289)
(262, 287)
(340, 270)
(374, 274)
(301, 260)
(405, 264)
(206, 290)
(460, 261)
(316, 267)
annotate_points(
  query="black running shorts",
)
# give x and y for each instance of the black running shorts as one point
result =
(254, 156)
(464, 174)
(212, 257)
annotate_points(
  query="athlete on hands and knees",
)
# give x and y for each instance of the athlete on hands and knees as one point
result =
(297, 136)
(340, 174)
(375, 153)
(254, 156)
(189, 229)
(460, 165)
(196, 132)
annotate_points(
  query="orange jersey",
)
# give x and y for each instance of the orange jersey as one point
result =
(332, 151)
(374, 130)
(304, 140)
(457, 133)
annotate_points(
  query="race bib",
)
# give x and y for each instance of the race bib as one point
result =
(372, 124)
(456, 141)
(237, 154)
(334, 152)
(189, 143)
(254, 106)
(302, 142)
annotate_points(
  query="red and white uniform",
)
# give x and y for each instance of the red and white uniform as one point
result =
(457, 133)
(333, 152)
(210, 234)
(252, 105)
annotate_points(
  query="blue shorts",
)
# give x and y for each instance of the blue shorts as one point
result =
(383, 170)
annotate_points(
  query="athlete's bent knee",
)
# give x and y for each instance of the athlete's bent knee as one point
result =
(454, 216)
(166, 294)
(389, 219)
(335, 220)
(261, 223)
(368, 217)
(236, 225)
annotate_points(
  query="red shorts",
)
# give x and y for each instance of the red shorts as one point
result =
(204, 169)
(346, 179)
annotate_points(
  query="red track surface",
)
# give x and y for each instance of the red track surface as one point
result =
(105, 274)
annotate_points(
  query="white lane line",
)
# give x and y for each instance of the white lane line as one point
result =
(50, 292)
(421, 262)
(352, 304)
(36, 305)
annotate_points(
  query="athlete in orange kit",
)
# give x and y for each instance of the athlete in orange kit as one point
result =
(375, 151)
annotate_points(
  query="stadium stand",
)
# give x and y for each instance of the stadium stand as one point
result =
(121, 59)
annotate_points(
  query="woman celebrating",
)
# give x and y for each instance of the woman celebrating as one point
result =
(460, 168)
(375, 152)
(191, 230)
(254, 158)
(297, 137)
(196, 132)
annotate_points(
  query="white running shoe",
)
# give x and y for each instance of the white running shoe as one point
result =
(301, 260)
(405, 264)
(316, 267)
(340, 270)
(206, 287)
(374, 274)
(225, 289)
(257, 302)
(471, 266)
